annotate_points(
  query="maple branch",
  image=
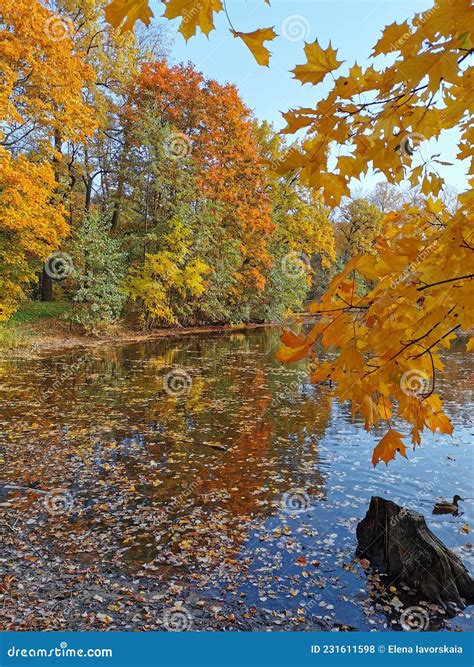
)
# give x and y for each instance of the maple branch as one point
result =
(465, 244)
(18, 139)
(395, 98)
(352, 305)
(92, 39)
(458, 326)
(469, 276)
(345, 308)
(417, 340)
(425, 396)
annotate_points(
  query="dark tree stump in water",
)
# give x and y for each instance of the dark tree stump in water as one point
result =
(398, 543)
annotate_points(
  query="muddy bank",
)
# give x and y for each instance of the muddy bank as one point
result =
(54, 335)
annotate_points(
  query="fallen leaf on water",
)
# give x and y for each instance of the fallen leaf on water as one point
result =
(104, 618)
(396, 602)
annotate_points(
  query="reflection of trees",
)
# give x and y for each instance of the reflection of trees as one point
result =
(140, 459)
(455, 383)
(242, 471)
(136, 456)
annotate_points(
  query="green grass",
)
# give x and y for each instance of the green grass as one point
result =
(18, 330)
(9, 338)
(33, 311)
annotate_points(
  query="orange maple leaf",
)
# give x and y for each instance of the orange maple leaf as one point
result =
(388, 446)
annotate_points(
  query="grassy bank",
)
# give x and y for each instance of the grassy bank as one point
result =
(22, 329)
(40, 327)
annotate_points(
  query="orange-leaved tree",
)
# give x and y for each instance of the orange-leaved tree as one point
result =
(388, 341)
(42, 79)
(213, 126)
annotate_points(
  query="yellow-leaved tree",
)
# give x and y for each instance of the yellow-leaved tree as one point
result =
(165, 274)
(42, 79)
(387, 342)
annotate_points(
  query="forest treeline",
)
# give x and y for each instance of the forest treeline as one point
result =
(133, 187)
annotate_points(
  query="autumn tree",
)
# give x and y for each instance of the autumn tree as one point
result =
(194, 173)
(303, 235)
(389, 341)
(216, 126)
(40, 101)
(358, 225)
(386, 197)
(99, 270)
(92, 168)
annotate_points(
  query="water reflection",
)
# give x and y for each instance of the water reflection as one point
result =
(195, 487)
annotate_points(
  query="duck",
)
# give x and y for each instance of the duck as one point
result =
(447, 508)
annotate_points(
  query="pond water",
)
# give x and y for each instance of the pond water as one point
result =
(203, 462)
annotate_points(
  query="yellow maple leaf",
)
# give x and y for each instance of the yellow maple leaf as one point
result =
(290, 355)
(254, 40)
(194, 14)
(388, 446)
(439, 421)
(393, 38)
(295, 121)
(351, 360)
(320, 62)
(126, 13)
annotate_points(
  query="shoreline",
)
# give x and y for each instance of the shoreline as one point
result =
(41, 341)
(38, 340)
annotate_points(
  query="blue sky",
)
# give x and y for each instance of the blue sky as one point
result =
(353, 26)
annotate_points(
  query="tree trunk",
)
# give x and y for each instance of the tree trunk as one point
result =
(121, 179)
(398, 543)
(46, 292)
(88, 195)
